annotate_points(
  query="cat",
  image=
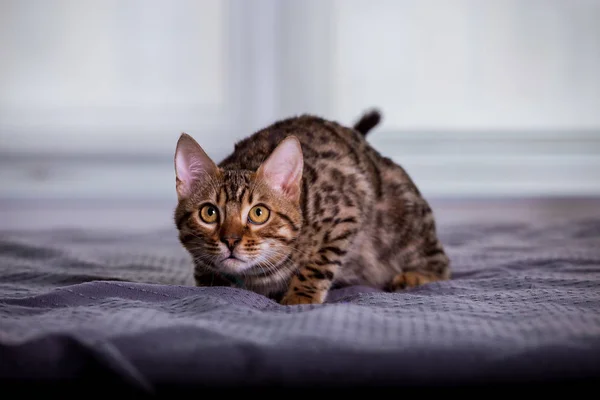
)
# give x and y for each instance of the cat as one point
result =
(303, 206)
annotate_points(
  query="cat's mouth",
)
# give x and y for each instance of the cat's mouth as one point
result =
(233, 264)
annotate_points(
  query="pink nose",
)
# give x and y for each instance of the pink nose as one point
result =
(231, 240)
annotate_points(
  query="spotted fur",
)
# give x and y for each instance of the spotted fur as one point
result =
(355, 218)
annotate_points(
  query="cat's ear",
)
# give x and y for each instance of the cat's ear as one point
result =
(192, 165)
(282, 170)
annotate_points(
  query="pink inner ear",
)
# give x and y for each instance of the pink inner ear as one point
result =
(182, 168)
(283, 169)
(283, 176)
(191, 165)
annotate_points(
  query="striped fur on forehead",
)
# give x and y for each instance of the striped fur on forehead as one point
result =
(236, 185)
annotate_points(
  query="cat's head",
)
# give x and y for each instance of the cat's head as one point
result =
(238, 222)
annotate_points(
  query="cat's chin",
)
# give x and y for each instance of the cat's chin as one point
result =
(233, 265)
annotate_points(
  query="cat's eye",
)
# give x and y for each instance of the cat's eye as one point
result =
(209, 214)
(259, 215)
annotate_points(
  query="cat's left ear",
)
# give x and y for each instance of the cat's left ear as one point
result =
(282, 170)
(192, 165)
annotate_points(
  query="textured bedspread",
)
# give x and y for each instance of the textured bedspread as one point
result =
(523, 305)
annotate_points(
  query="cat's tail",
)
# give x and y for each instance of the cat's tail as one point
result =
(369, 120)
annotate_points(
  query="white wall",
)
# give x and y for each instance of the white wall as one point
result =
(101, 76)
(495, 97)
(468, 64)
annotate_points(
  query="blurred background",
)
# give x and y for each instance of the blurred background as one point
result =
(480, 99)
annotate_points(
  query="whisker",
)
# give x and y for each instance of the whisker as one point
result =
(195, 236)
(294, 249)
(203, 250)
(277, 272)
(209, 258)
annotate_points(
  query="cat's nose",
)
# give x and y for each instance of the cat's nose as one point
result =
(231, 240)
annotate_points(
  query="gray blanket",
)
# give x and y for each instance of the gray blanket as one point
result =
(523, 306)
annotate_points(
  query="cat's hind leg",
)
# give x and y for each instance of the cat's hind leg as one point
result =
(411, 279)
(436, 267)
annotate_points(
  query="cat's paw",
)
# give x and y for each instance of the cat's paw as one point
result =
(300, 298)
(410, 279)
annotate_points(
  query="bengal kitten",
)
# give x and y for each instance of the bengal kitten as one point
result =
(302, 206)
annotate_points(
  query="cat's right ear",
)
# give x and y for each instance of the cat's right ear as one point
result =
(192, 165)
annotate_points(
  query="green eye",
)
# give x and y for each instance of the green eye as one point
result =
(209, 214)
(259, 215)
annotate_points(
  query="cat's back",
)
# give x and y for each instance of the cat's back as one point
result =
(336, 158)
(321, 140)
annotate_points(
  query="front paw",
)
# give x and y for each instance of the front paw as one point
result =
(300, 298)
